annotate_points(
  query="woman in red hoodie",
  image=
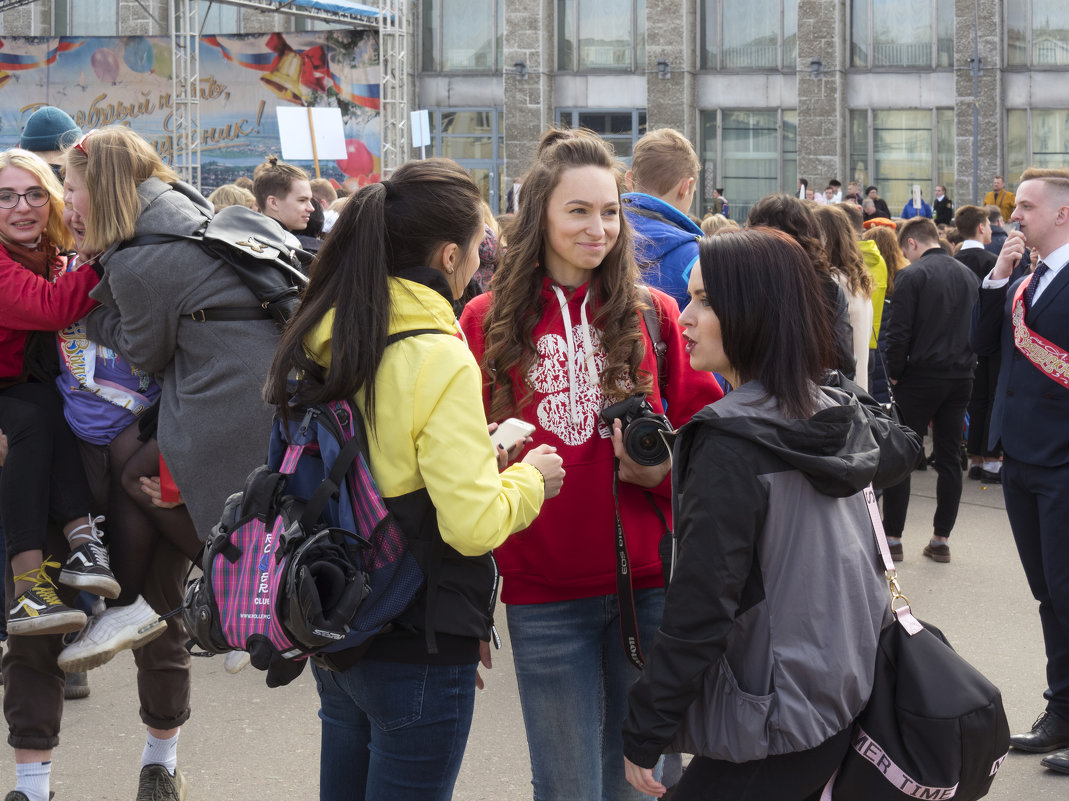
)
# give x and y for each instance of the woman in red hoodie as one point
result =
(43, 476)
(561, 337)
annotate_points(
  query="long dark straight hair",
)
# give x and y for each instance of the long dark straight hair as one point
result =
(773, 321)
(383, 229)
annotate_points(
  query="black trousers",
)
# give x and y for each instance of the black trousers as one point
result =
(985, 380)
(43, 476)
(788, 777)
(1037, 504)
(943, 402)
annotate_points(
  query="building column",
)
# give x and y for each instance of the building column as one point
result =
(529, 40)
(822, 115)
(978, 149)
(671, 101)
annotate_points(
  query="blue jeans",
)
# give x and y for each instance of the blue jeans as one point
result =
(393, 731)
(573, 678)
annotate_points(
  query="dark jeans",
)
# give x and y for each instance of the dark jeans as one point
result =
(43, 478)
(393, 731)
(33, 697)
(787, 777)
(1037, 504)
(985, 379)
(943, 402)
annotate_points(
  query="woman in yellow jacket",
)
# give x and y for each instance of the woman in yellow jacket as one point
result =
(376, 324)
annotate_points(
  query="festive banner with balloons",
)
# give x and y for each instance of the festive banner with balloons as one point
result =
(127, 81)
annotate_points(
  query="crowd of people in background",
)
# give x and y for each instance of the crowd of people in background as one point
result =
(635, 578)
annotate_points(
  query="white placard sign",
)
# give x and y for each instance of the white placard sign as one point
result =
(421, 128)
(295, 133)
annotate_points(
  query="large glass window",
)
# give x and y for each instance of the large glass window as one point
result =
(218, 18)
(902, 33)
(1037, 33)
(462, 35)
(749, 34)
(748, 154)
(893, 149)
(601, 35)
(620, 128)
(1035, 138)
(85, 17)
(475, 139)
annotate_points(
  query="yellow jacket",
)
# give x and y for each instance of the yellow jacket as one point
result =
(429, 434)
(877, 268)
(1005, 200)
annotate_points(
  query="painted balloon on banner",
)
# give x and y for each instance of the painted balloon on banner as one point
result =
(359, 160)
(105, 64)
(138, 55)
(163, 61)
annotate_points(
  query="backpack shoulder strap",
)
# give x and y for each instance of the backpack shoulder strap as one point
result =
(415, 332)
(652, 318)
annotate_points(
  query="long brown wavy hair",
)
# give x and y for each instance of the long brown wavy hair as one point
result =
(517, 303)
(840, 244)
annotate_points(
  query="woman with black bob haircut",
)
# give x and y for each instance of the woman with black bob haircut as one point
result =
(376, 325)
(773, 536)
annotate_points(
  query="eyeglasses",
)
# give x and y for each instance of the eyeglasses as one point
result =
(80, 144)
(35, 198)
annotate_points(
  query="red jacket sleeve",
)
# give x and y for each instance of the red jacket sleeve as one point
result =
(471, 323)
(683, 391)
(686, 390)
(28, 302)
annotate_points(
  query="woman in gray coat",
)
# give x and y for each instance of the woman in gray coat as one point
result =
(172, 309)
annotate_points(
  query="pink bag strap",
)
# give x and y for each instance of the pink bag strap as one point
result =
(899, 602)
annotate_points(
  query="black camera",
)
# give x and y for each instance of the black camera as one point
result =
(643, 428)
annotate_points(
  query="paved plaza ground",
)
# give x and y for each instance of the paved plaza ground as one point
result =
(245, 741)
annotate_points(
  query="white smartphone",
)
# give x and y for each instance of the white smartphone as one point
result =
(510, 432)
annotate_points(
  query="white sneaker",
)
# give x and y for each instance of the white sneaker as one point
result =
(236, 661)
(119, 628)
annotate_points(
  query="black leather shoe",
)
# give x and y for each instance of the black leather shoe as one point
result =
(1058, 761)
(991, 478)
(975, 472)
(1049, 733)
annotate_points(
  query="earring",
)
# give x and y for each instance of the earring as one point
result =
(450, 271)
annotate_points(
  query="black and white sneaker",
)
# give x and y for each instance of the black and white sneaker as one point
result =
(87, 568)
(39, 611)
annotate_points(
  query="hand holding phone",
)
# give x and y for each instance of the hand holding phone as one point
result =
(511, 432)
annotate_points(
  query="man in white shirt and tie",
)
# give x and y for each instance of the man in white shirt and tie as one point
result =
(1027, 320)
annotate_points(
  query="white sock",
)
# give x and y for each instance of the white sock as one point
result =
(161, 752)
(31, 778)
(993, 467)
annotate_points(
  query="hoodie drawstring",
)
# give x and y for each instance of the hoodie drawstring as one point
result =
(592, 372)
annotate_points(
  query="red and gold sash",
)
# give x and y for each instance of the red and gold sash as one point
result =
(1051, 360)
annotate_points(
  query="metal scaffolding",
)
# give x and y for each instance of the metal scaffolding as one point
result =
(185, 91)
(393, 56)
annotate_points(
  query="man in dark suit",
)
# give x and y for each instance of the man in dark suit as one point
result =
(943, 207)
(984, 464)
(931, 365)
(1028, 321)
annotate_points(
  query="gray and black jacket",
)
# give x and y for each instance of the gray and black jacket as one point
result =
(768, 642)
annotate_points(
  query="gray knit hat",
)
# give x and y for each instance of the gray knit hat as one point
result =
(47, 129)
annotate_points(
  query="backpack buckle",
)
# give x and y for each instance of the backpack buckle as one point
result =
(199, 316)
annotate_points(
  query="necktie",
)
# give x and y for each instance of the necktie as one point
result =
(1033, 284)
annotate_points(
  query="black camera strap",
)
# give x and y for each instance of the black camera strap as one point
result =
(625, 591)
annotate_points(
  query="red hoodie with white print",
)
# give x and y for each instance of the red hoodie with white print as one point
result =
(569, 551)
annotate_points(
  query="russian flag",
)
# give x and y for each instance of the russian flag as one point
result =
(28, 56)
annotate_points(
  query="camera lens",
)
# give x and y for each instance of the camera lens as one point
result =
(644, 443)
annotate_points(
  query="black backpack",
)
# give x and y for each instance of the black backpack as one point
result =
(267, 258)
